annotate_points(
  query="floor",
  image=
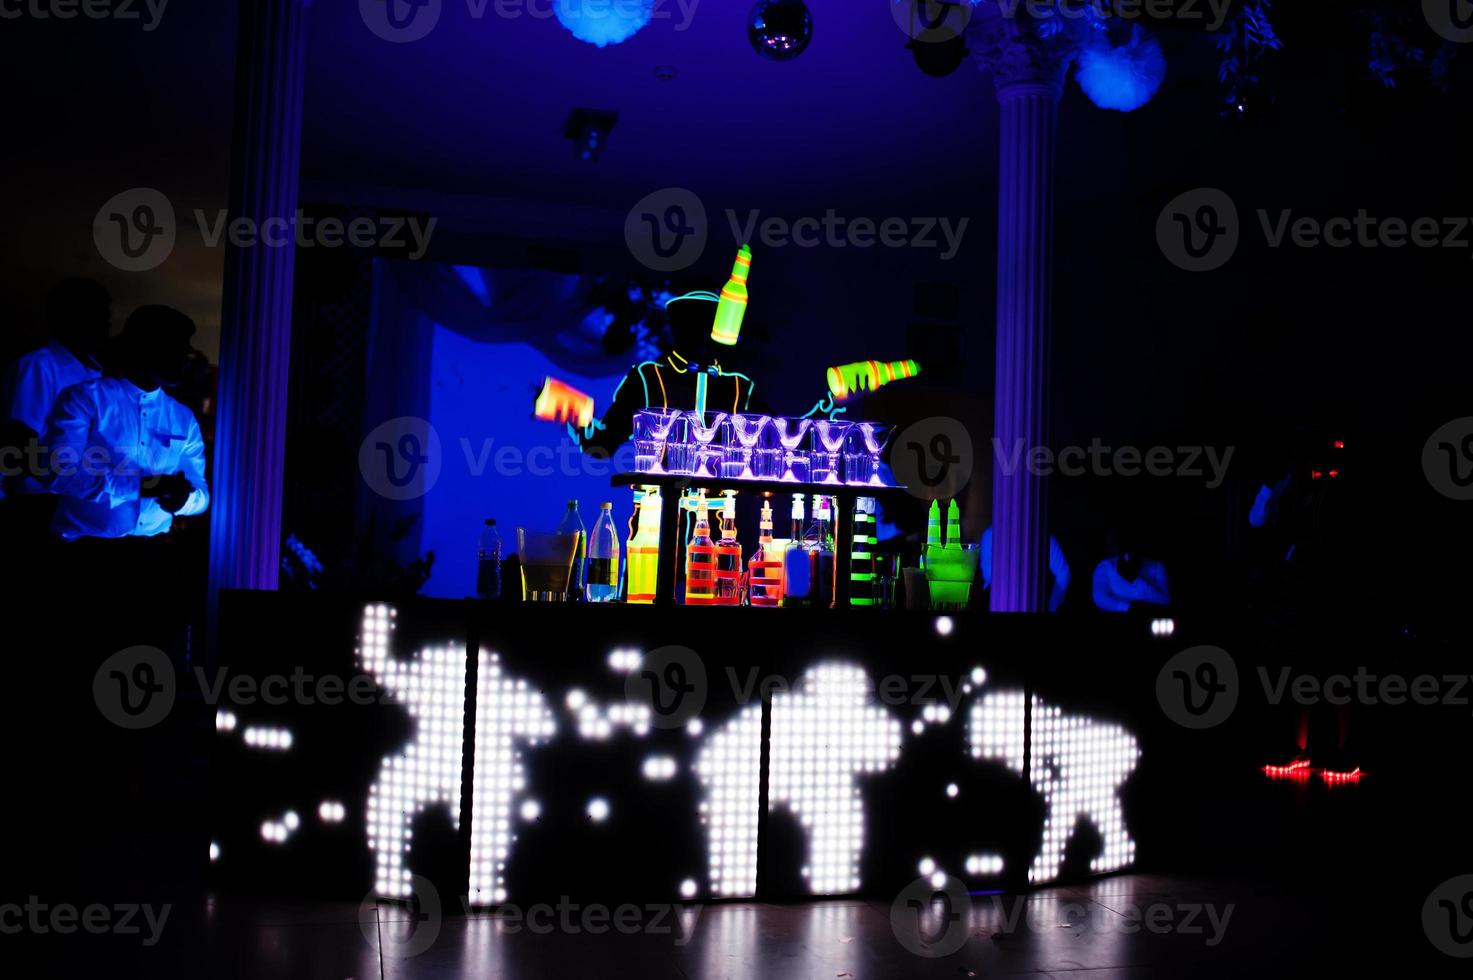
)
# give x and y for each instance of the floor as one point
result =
(1127, 926)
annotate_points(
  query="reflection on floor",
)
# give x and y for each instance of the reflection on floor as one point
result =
(1124, 926)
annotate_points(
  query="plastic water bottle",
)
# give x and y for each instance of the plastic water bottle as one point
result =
(573, 523)
(603, 557)
(488, 568)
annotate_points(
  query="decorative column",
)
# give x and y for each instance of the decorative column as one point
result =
(256, 307)
(1028, 71)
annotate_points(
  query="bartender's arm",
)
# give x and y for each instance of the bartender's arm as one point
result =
(616, 427)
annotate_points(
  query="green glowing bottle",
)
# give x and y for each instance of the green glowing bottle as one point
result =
(733, 304)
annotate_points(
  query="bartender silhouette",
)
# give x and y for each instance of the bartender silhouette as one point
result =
(688, 375)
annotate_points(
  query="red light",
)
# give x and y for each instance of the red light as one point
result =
(1334, 474)
(1339, 443)
(1315, 474)
(1296, 770)
(1337, 778)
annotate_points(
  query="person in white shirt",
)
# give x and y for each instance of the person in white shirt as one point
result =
(78, 319)
(126, 457)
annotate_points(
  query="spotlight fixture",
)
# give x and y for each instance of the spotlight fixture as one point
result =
(589, 131)
(939, 58)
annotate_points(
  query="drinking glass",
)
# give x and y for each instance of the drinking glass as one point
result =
(792, 460)
(862, 451)
(709, 432)
(828, 447)
(652, 427)
(680, 447)
(746, 430)
(546, 560)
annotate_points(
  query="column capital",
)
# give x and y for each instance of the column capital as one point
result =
(1025, 54)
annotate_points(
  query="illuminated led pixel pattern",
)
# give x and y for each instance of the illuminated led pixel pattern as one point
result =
(427, 773)
(508, 713)
(1079, 765)
(825, 733)
(730, 769)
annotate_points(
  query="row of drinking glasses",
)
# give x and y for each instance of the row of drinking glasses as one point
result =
(743, 446)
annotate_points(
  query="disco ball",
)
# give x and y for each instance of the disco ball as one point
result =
(780, 29)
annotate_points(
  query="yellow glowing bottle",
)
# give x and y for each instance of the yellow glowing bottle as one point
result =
(644, 550)
(733, 305)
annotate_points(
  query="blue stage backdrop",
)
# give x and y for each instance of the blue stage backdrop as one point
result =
(457, 355)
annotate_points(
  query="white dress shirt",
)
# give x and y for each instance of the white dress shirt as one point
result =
(106, 436)
(32, 387)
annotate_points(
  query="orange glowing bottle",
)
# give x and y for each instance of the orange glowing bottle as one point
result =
(700, 560)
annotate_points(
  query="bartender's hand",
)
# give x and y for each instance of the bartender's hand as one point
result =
(170, 491)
